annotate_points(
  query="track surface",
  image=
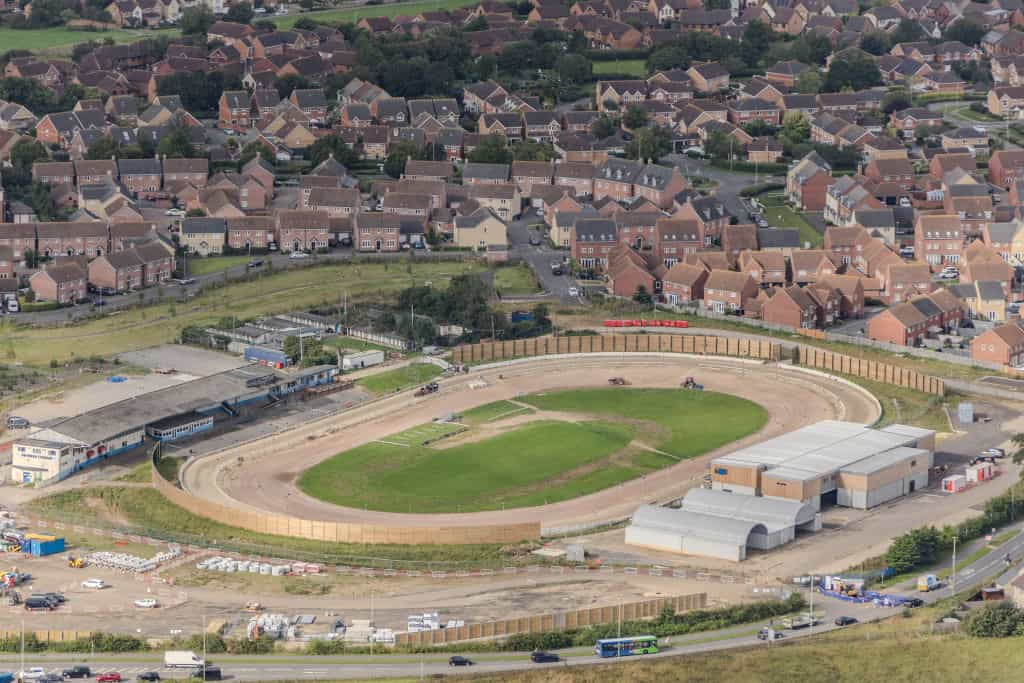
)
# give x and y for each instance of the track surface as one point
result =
(265, 480)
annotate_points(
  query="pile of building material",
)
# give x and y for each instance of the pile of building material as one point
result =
(132, 564)
(270, 625)
(430, 621)
(230, 566)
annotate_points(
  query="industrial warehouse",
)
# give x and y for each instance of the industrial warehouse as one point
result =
(60, 449)
(761, 495)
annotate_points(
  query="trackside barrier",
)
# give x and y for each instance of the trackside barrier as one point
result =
(644, 609)
(885, 373)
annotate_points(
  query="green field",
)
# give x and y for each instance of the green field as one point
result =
(61, 38)
(685, 423)
(633, 67)
(490, 412)
(267, 294)
(515, 281)
(214, 264)
(781, 216)
(402, 378)
(410, 9)
(537, 463)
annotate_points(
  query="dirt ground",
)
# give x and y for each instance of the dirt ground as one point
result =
(791, 397)
(189, 596)
(185, 359)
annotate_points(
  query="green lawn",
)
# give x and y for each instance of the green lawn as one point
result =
(401, 378)
(267, 294)
(537, 463)
(204, 265)
(61, 37)
(685, 423)
(781, 216)
(357, 344)
(410, 9)
(515, 280)
(518, 468)
(490, 412)
(633, 67)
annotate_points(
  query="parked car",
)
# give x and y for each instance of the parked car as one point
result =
(33, 673)
(146, 603)
(459, 660)
(907, 252)
(574, 291)
(845, 621)
(915, 602)
(148, 676)
(994, 452)
(298, 255)
(109, 677)
(174, 212)
(541, 657)
(77, 672)
(97, 584)
(255, 263)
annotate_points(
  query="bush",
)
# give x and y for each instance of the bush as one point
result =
(995, 620)
(760, 188)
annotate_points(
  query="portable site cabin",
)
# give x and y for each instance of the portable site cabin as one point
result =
(954, 484)
(982, 471)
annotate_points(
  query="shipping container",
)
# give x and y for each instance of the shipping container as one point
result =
(43, 548)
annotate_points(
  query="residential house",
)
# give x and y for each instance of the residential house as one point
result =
(302, 230)
(727, 291)
(64, 284)
(1003, 344)
(683, 283)
(480, 230)
(807, 182)
(203, 236)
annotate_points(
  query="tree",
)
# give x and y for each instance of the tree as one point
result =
(531, 150)
(400, 152)
(922, 131)
(303, 23)
(756, 39)
(254, 149)
(1018, 442)
(328, 146)
(895, 101)
(757, 128)
(809, 82)
(796, 129)
(603, 127)
(875, 42)
(642, 296)
(241, 13)
(175, 143)
(286, 84)
(649, 144)
(902, 555)
(491, 150)
(856, 74)
(200, 92)
(719, 145)
(965, 30)
(103, 148)
(41, 201)
(478, 24)
(635, 117)
(811, 48)
(196, 20)
(908, 31)
(994, 620)
(573, 68)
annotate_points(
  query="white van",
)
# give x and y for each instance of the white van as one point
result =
(182, 659)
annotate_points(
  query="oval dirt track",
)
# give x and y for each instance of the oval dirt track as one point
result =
(265, 480)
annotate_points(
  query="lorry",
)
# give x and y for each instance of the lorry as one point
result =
(800, 621)
(928, 582)
(182, 659)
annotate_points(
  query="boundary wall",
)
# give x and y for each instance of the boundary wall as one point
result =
(555, 621)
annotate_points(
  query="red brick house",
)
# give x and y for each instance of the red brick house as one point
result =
(906, 280)
(84, 238)
(256, 232)
(768, 268)
(683, 283)
(938, 239)
(378, 231)
(64, 284)
(792, 307)
(300, 230)
(727, 291)
(627, 272)
(592, 241)
(192, 171)
(807, 183)
(676, 237)
(1003, 344)
(899, 171)
(1005, 166)
(851, 294)
(235, 110)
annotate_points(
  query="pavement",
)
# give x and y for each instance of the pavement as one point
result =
(729, 183)
(540, 257)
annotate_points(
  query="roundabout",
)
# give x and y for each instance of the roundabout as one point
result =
(265, 478)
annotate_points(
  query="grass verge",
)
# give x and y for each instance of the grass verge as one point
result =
(214, 264)
(144, 511)
(907, 406)
(491, 412)
(633, 67)
(402, 378)
(517, 280)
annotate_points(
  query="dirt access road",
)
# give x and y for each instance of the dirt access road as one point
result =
(265, 479)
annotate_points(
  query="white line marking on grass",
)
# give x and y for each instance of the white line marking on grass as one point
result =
(393, 443)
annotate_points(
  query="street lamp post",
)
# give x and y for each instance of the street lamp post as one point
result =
(954, 566)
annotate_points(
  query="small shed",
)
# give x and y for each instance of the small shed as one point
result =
(954, 483)
(362, 359)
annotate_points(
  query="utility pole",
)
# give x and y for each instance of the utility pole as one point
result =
(204, 641)
(810, 603)
(371, 623)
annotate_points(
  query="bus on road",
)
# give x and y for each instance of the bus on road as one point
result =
(623, 647)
